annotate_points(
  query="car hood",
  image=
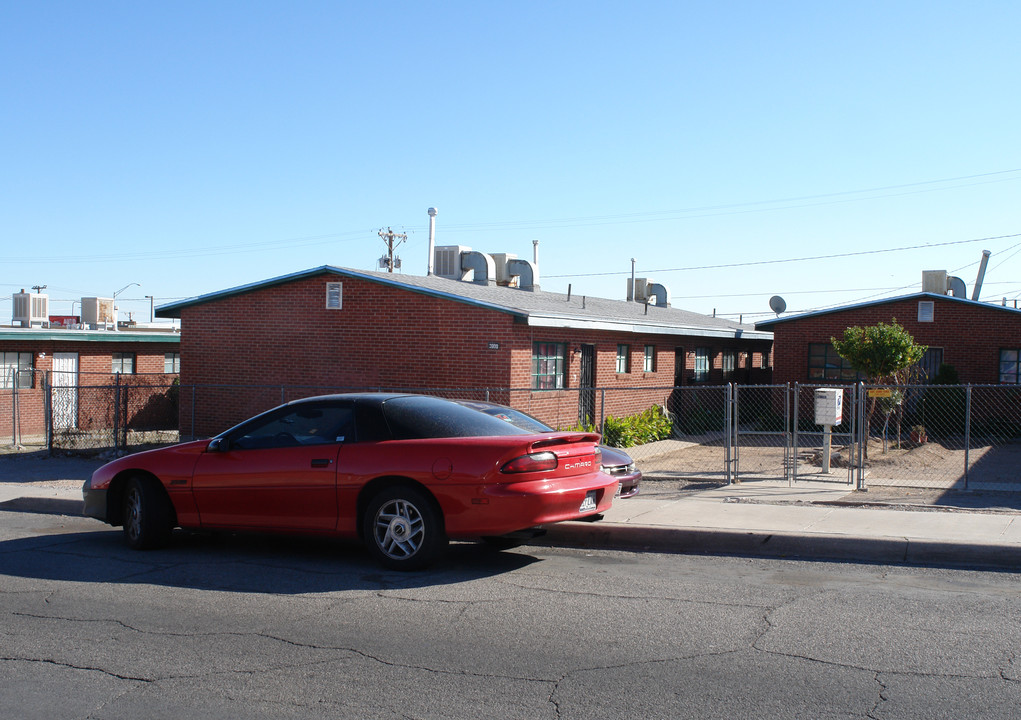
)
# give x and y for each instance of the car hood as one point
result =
(613, 457)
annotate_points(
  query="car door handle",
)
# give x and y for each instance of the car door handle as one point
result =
(321, 462)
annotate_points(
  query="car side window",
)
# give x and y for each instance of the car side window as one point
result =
(299, 426)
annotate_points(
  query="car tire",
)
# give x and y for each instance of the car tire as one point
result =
(403, 529)
(147, 514)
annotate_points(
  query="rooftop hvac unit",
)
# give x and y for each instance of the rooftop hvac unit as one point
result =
(31, 309)
(447, 261)
(645, 291)
(97, 311)
(934, 281)
(503, 276)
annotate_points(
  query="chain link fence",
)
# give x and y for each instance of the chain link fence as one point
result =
(90, 413)
(949, 437)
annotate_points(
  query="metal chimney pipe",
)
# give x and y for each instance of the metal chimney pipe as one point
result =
(981, 274)
(535, 253)
(432, 240)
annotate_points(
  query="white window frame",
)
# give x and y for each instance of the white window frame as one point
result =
(16, 365)
(623, 358)
(649, 360)
(117, 363)
(174, 360)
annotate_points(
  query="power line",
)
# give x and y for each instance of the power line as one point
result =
(796, 259)
(737, 208)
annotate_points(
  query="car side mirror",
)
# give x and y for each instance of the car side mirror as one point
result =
(218, 445)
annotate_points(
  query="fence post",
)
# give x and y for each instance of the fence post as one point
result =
(15, 432)
(852, 399)
(116, 411)
(602, 409)
(728, 430)
(967, 433)
(795, 395)
(48, 412)
(191, 433)
(863, 436)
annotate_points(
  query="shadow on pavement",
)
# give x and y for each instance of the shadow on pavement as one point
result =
(240, 563)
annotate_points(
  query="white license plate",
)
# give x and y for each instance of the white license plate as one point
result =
(589, 503)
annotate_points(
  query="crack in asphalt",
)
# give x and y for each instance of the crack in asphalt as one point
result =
(874, 712)
(851, 666)
(619, 596)
(72, 666)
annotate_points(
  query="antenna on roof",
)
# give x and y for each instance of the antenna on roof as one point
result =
(777, 304)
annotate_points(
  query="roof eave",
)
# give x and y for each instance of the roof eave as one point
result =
(581, 323)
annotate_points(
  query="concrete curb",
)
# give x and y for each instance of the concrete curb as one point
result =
(814, 546)
(712, 541)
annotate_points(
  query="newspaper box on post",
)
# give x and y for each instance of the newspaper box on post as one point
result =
(829, 411)
(829, 406)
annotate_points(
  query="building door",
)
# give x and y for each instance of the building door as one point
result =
(587, 384)
(64, 381)
(928, 366)
(679, 360)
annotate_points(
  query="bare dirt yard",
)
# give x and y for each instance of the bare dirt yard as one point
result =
(929, 465)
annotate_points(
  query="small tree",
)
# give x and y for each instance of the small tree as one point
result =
(884, 354)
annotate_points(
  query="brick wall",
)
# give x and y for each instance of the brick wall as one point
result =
(94, 367)
(283, 336)
(382, 337)
(971, 336)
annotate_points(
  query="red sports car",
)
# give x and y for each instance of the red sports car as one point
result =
(615, 461)
(403, 472)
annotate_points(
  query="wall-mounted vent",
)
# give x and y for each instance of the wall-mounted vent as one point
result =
(447, 261)
(97, 311)
(30, 309)
(926, 311)
(334, 296)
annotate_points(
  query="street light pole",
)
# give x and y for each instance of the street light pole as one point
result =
(115, 324)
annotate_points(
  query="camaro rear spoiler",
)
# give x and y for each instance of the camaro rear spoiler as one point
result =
(567, 438)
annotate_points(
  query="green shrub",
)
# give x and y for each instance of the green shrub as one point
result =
(645, 427)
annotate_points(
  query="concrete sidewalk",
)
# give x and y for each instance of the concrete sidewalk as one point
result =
(810, 520)
(821, 520)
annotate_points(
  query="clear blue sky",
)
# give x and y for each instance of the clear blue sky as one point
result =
(196, 146)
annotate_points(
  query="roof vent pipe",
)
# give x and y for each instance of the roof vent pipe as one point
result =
(480, 264)
(526, 272)
(432, 240)
(981, 274)
(535, 252)
(660, 292)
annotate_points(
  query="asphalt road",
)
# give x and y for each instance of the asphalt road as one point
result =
(262, 627)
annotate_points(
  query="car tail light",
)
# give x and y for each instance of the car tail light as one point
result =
(536, 462)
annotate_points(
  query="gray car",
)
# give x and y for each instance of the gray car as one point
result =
(616, 462)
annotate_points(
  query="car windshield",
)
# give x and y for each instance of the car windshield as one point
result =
(411, 418)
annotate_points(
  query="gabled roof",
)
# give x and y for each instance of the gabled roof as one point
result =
(769, 324)
(537, 309)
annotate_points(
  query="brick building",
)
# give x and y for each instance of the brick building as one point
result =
(74, 361)
(981, 341)
(331, 329)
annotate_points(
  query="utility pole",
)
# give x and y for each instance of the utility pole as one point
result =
(391, 240)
